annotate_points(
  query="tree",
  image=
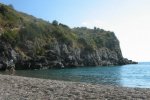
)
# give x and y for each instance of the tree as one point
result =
(3, 9)
(11, 6)
(95, 28)
(55, 23)
(63, 25)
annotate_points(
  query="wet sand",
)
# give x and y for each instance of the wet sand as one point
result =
(23, 88)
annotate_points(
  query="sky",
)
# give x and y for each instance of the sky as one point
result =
(129, 19)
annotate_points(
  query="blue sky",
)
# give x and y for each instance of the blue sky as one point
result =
(129, 19)
(71, 12)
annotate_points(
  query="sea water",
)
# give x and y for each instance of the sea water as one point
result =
(134, 75)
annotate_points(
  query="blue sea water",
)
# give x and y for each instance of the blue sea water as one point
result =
(136, 75)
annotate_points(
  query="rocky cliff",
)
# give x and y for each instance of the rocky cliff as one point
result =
(27, 42)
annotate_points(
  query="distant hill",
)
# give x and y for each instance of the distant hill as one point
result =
(27, 42)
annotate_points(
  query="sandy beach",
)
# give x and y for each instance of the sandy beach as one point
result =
(23, 88)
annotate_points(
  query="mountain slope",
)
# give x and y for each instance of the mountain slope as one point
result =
(27, 42)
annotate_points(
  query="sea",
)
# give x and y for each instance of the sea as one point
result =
(133, 75)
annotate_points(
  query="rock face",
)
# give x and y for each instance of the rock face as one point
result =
(63, 56)
(7, 56)
(30, 43)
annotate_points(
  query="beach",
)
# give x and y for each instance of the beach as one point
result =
(24, 88)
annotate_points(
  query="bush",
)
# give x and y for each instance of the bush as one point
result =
(9, 36)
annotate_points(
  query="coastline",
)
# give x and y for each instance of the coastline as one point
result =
(22, 88)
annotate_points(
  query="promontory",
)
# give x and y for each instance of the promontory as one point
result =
(27, 42)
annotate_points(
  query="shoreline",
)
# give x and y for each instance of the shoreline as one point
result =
(22, 88)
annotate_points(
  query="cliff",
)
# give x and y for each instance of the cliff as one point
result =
(27, 42)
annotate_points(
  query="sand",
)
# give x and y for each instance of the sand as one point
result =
(23, 88)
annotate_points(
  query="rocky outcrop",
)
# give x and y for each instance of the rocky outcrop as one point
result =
(30, 43)
(60, 56)
(65, 56)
